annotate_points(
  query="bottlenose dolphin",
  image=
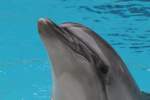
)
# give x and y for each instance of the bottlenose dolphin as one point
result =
(85, 66)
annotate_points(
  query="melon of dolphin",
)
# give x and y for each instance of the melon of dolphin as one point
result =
(85, 66)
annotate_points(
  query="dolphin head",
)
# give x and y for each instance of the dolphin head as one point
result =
(85, 66)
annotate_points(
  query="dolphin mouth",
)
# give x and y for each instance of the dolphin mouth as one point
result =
(47, 28)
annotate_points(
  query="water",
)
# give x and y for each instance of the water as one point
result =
(24, 67)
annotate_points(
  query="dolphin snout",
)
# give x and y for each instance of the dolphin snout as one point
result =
(42, 26)
(45, 26)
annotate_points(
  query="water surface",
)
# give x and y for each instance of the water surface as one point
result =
(25, 71)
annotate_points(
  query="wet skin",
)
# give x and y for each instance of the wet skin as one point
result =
(85, 66)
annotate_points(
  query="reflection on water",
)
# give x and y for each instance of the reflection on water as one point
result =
(24, 65)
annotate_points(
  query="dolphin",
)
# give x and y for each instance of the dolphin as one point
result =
(85, 66)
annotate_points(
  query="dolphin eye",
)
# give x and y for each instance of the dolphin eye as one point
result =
(104, 69)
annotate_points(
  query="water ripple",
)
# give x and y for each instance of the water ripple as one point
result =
(128, 10)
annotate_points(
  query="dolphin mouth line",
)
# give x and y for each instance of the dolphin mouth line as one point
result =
(81, 47)
(76, 44)
(84, 50)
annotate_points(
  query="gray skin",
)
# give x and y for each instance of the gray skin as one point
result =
(85, 66)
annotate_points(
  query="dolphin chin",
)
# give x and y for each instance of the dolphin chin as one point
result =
(85, 66)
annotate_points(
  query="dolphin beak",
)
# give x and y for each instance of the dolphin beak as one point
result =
(48, 28)
(44, 25)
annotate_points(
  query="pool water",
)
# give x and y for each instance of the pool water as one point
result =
(25, 71)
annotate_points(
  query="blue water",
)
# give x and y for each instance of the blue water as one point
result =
(24, 67)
